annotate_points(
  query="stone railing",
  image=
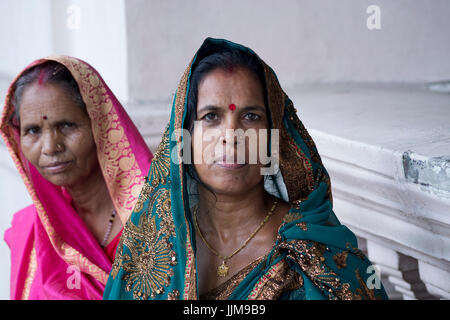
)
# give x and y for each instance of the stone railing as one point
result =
(394, 221)
(387, 151)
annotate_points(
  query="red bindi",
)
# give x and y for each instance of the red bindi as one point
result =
(44, 117)
(232, 107)
(41, 77)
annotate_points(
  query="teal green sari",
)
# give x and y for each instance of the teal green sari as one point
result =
(314, 257)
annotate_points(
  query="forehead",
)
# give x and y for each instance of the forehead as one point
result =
(50, 100)
(238, 84)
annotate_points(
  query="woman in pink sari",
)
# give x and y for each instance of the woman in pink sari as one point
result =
(84, 163)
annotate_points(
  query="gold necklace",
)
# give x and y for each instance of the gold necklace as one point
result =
(222, 270)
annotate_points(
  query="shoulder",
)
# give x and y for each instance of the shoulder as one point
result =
(24, 218)
(22, 222)
(24, 215)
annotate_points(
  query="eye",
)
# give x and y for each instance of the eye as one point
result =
(66, 125)
(252, 116)
(32, 130)
(210, 117)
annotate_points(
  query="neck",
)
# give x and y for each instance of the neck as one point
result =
(90, 196)
(231, 216)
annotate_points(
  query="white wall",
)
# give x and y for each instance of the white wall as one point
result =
(13, 196)
(32, 29)
(25, 34)
(97, 35)
(303, 40)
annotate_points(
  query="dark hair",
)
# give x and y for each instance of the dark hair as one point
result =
(227, 59)
(48, 72)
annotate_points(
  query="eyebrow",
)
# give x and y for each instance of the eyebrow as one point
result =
(57, 123)
(210, 108)
(254, 108)
(63, 121)
(29, 126)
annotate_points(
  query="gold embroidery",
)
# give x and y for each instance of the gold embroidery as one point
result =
(190, 287)
(302, 225)
(180, 99)
(344, 293)
(341, 259)
(303, 132)
(274, 282)
(147, 269)
(32, 266)
(174, 295)
(275, 97)
(296, 283)
(292, 216)
(117, 264)
(295, 166)
(363, 292)
(296, 203)
(356, 251)
(145, 193)
(159, 171)
(160, 167)
(308, 254)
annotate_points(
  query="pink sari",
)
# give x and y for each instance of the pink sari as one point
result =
(53, 254)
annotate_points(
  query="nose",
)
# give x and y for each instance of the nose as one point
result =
(231, 124)
(51, 143)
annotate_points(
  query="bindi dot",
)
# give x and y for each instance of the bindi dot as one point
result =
(41, 77)
(232, 107)
(44, 117)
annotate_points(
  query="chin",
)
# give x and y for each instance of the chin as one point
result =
(60, 180)
(231, 188)
(235, 185)
(230, 181)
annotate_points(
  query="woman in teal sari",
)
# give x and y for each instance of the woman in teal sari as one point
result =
(219, 228)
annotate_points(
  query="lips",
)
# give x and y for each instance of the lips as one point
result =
(57, 167)
(230, 165)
